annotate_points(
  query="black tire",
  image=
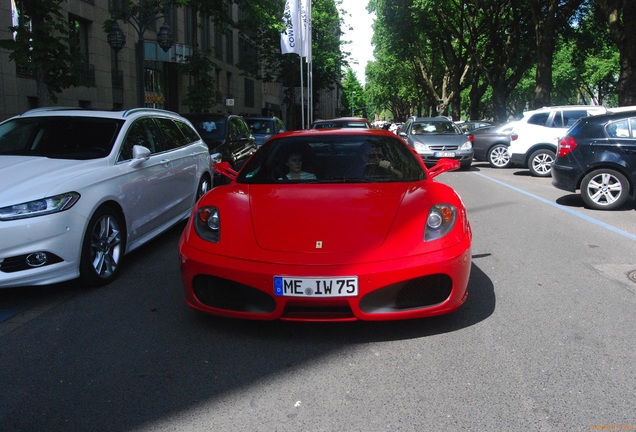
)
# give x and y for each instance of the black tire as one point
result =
(205, 184)
(103, 248)
(465, 166)
(605, 189)
(498, 156)
(540, 163)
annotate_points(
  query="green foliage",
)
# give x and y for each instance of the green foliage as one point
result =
(480, 57)
(201, 93)
(353, 96)
(41, 46)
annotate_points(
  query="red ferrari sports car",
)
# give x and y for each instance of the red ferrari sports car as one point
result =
(328, 225)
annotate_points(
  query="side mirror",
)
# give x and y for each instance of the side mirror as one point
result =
(140, 155)
(225, 169)
(216, 158)
(444, 165)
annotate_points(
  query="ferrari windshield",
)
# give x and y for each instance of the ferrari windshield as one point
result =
(333, 159)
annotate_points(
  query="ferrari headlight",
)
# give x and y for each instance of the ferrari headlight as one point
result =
(440, 221)
(207, 224)
(39, 207)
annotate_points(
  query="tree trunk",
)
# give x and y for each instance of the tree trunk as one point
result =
(626, 86)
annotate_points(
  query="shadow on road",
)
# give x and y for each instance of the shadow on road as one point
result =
(130, 355)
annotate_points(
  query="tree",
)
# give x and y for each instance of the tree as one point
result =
(499, 30)
(620, 15)
(353, 97)
(549, 17)
(41, 46)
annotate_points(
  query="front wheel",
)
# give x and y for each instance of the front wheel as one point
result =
(604, 189)
(498, 156)
(540, 163)
(103, 248)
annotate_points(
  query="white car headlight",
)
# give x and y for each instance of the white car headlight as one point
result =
(466, 146)
(440, 221)
(207, 224)
(39, 207)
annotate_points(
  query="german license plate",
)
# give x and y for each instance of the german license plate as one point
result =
(444, 154)
(345, 286)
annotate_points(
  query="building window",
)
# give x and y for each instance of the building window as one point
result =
(229, 48)
(230, 92)
(249, 92)
(218, 42)
(206, 44)
(188, 25)
(247, 56)
(78, 45)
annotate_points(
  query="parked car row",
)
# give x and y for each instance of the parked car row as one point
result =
(583, 148)
(234, 137)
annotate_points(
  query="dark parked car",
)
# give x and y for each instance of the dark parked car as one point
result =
(469, 126)
(598, 157)
(490, 144)
(435, 138)
(228, 135)
(263, 128)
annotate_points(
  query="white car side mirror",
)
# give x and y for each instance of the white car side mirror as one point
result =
(140, 155)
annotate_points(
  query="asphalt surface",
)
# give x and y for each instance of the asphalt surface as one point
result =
(545, 341)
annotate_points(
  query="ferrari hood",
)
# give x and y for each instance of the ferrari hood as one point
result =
(315, 218)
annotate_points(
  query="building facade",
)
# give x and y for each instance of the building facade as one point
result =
(110, 78)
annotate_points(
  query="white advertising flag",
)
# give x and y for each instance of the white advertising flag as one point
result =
(291, 40)
(306, 21)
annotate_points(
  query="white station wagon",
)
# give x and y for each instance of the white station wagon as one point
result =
(81, 188)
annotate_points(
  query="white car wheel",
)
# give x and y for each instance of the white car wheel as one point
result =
(103, 248)
(540, 163)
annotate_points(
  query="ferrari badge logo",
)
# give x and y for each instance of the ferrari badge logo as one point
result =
(319, 244)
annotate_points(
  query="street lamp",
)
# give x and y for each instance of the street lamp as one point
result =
(116, 40)
(140, 22)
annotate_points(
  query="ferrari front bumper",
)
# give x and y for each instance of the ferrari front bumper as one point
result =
(410, 287)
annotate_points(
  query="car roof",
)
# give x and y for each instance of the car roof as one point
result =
(208, 115)
(337, 131)
(80, 112)
(440, 118)
(260, 118)
(566, 108)
(609, 116)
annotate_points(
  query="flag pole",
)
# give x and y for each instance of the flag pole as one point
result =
(299, 21)
(302, 92)
(310, 69)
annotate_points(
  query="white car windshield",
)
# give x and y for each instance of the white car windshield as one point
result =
(59, 137)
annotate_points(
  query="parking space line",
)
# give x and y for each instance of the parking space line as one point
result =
(559, 206)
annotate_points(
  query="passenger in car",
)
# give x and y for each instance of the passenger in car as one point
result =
(294, 163)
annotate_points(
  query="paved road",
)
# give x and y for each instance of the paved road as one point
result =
(544, 342)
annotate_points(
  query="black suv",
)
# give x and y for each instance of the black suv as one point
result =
(598, 156)
(228, 135)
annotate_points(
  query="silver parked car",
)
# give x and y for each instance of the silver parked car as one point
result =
(80, 189)
(435, 138)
